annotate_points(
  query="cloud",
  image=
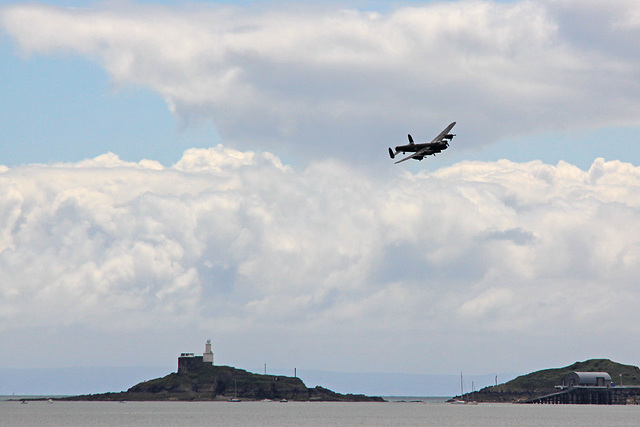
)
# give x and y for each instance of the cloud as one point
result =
(295, 263)
(320, 82)
(326, 263)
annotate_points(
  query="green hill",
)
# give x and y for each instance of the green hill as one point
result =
(543, 382)
(549, 378)
(222, 383)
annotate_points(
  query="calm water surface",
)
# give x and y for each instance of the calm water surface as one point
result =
(138, 414)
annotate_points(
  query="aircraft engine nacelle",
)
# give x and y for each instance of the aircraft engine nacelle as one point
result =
(448, 136)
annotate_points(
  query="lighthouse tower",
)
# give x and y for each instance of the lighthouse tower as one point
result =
(207, 356)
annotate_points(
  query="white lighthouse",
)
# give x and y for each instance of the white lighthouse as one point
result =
(207, 356)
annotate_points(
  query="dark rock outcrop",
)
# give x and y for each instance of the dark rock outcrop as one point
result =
(223, 383)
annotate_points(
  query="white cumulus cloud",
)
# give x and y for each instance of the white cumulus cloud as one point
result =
(294, 264)
(322, 81)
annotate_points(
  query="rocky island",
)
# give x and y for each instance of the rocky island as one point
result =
(211, 383)
(198, 379)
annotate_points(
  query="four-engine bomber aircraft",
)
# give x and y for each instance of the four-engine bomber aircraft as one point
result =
(439, 143)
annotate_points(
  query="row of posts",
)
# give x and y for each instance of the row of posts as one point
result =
(609, 396)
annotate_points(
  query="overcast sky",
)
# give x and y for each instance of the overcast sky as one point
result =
(174, 173)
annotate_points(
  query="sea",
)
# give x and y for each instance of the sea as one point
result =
(396, 412)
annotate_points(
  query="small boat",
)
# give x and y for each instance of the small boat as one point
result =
(235, 395)
(283, 401)
(462, 400)
(473, 390)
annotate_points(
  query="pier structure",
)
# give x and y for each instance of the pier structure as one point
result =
(589, 388)
(585, 395)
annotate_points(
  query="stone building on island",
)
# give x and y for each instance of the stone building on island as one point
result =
(189, 362)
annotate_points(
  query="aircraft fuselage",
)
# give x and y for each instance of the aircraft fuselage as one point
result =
(432, 148)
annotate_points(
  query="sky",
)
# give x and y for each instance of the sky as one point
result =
(176, 172)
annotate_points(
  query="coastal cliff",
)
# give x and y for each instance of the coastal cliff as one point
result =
(210, 383)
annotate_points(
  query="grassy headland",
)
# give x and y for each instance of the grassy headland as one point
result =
(544, 382)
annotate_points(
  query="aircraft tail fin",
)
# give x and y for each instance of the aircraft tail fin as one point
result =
(410, 140)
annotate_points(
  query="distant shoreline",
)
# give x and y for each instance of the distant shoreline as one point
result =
(84, 380)
(42, 398)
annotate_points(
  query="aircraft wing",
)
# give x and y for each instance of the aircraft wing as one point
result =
(424, 152)
(443, 133)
